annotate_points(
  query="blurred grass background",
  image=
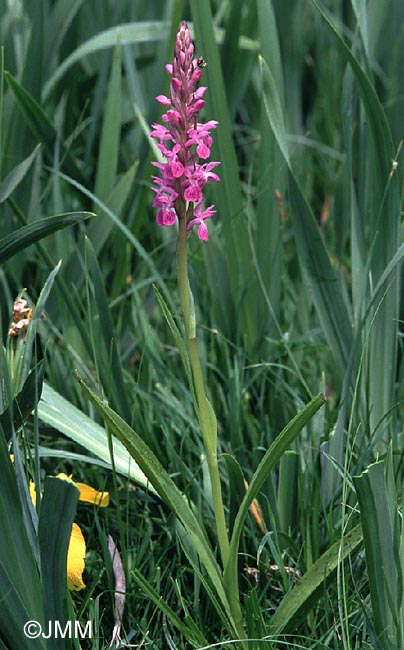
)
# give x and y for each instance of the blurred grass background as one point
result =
(298, 289)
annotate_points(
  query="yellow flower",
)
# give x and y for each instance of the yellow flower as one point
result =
(77, 545)
(75, 559)
(87, 493)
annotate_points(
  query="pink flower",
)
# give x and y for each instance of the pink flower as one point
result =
(199, 220)
(183, 141)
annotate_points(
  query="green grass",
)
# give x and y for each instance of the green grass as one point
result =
(292, 299)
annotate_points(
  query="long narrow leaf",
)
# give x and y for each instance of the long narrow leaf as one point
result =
(14, 178)
(42, 127)
(140, 32)
(303, 596)
(273, 455)
(20, 587)
(381, 540)
(313, 256)
(113, 377)
(57, 412)
(166, 488)
(107, 161)
(228, 194)
(37, 230)
(58, 508)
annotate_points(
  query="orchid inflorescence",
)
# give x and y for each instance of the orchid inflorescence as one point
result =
(179, 190)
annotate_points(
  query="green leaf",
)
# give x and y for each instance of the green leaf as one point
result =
(183, 626)
(112, 375)
(24, 362)
(58, 508)
(303, 596)
(179, 342)
(228, 194)
(168, 491)
(140, 32)
(326, 292)
(25, 402)
(14, 178)
(20, 586)
(273, 455)
(381, 205)
(14, 615)
(57, 412)
(255, 623)
(107, 160)
(271, 177)
(236, 486)
(314, 259)
(377, 504)
(273, 108)
(42, 127)
(37, 230)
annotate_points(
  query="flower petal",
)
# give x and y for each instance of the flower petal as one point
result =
(89, 495)
(75, 559)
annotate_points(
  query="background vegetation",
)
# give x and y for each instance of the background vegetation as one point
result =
(298, 291)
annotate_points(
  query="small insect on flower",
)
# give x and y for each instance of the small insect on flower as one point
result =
(200, 62)
(184, 142)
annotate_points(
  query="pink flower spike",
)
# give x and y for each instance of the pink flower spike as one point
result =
(184, 141)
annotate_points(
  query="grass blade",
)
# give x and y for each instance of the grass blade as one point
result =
(314, 259)
(37, 230)
(16, 175)
(273, 455)
(303, 596)
(168, 491)
(381, 537)
(109, 356)
(107, 162)
(228, 191)
(140, 32)
(20, 588)
(42, 127)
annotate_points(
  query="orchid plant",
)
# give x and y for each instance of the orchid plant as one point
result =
(179, 195)
(185, 143)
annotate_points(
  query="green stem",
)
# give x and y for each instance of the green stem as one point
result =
(206, 415)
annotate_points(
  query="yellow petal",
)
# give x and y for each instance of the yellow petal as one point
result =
(75, 559)
(32, 492)
(89, 495)
(64, 477)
